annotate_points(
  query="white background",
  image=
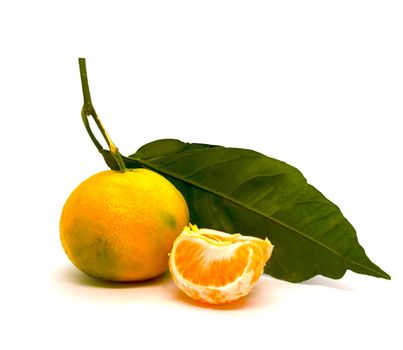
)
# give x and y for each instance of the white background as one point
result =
(318, 84)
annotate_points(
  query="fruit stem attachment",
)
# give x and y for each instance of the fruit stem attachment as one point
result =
(89, 110)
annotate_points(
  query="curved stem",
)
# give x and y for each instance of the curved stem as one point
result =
(89, 110)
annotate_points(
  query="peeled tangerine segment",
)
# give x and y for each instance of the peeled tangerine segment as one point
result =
(217, 267)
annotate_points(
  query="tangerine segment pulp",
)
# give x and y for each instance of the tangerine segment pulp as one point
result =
(216, 267)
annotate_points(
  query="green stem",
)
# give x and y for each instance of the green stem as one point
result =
(89, 110)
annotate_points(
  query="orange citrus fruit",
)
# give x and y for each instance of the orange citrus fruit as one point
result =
(120, 226)
(216, 267)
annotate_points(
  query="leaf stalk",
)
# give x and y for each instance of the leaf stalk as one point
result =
(89, 110)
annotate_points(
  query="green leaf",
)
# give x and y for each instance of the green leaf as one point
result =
(239, 190)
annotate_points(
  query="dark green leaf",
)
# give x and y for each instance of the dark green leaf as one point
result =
(239, 190)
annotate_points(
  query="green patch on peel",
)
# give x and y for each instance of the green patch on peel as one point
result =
(97, 259)
(169, 219)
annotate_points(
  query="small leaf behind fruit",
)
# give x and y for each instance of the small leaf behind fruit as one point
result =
(239, 190)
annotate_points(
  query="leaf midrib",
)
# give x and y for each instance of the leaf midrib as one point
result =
(292, 229)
